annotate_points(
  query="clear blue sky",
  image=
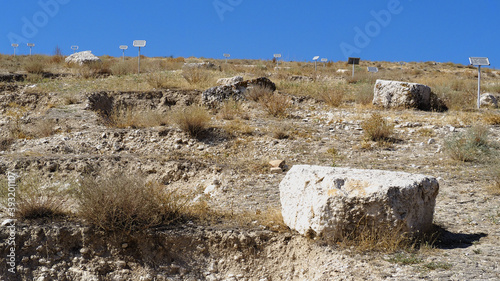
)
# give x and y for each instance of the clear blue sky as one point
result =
(386, 30)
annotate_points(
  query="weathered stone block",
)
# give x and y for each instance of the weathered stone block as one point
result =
(332, 201)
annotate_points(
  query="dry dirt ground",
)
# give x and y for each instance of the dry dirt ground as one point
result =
(235, 154)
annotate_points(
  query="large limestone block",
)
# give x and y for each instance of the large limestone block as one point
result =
(82, 58)
(396, 94)
(333, 201)
(214, 96)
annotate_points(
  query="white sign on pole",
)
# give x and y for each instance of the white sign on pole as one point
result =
(315, 59)
(324, 60)
(226, 56)
(373, 69)
(139, 44)
(74, 48)
(277, 57)
(15, 46)
(479, 61)
(123, 48)
(30, 45)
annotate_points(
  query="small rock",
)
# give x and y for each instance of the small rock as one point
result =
(431, 141)
(277, 163)
(276, 170)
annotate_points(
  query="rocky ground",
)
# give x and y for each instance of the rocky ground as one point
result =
(232, 159)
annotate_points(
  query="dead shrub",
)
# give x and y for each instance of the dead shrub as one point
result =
(130, 117)
(193, 119)
(121, 203)
(93, 70)
(34, 200)
(34, 65)
(363, 94)
(43, 128)
(230, 109)
(124, 67)
(376, 128)
(197, 76)
(275, 104)
(332, 96)
(160, 80)
(255, 93)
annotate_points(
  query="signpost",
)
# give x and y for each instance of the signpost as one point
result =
(372, 69)
(324, 60)
(31, 45)
(227, 56)
(479, 61)
(277, 56)
(315, 59)
(123, 48)
(353, 61)
(140, 44)
(74, 48)
(15, 46)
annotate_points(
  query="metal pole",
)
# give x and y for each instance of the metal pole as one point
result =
(30, 51)
(139, 62)
(315, 66)
(123, 55)
(353, 69)
(478, 86)
(14, 51)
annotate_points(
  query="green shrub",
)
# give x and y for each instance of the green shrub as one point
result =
(468, 146)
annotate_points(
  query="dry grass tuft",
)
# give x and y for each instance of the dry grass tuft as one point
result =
(34, 201)
(381, 238)
(377, 129)
(275, 104)
(119, 203)
(197, 76)
(35, 65)
(333, 96)
(470, 145)
(230, 109)
(193, 119)
(491, 118)
(255, 93)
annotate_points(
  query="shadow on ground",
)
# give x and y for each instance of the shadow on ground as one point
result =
(449, 240)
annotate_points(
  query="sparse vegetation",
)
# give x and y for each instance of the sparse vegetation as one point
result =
(116, 202)
(34, 200)
(468, 146)
(376, 128)
(276, 105)
(192, 119)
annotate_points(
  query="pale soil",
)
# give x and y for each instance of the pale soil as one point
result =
(237, 156)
